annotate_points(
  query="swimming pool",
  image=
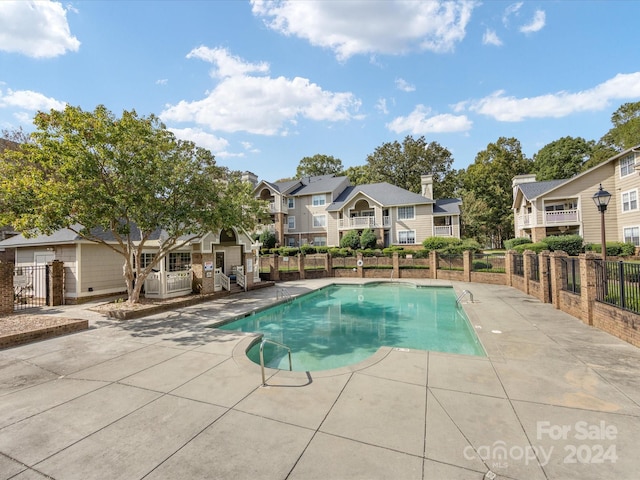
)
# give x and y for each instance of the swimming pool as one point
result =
(340, 325)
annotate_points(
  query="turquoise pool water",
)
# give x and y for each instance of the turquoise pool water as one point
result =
(344, 324)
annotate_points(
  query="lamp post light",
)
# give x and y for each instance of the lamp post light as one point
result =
(601, 199)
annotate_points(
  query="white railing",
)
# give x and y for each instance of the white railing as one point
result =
(525, 220)
(562, 216)
(240, 278)
(225, 281)
(177, 281)
(171, 284)
(443, 231)
(152, 284)
(363, 222)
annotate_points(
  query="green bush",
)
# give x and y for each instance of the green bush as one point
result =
(614, 249)
(571, 244)
(477, 266)
(463, 245)
(394, 248)
(288, 251)
(534, 247)
(268, 239)
(421, 254)
(368, 239)
(351, 240)
(514, 242)
(340, 252)
(307, 249)
(322, 249)
(439, 243)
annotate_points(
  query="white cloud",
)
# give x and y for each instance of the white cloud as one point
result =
(162, 81)
(201, 138)
(419, 122)
(260, 104)
(554, 105)
(490, 37)
(226, 64)
(363, 27)
(537, 23)
(511, 10)
(36, 29)
(381, 106)
(402, 84)
(28, 100)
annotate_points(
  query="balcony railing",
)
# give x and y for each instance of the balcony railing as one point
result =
(363, 222)
(556, 217)
(443, 231)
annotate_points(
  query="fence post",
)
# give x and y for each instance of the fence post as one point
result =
(558, 276)
(508, 267)
(275, 269)
(360, 264)
(56, 283)
(588, 285)
(467, 263)
(433, 263)
(6, 288)
(328, 264)
(545, 276)
(395, 259)
(527, 267)
(301, 258)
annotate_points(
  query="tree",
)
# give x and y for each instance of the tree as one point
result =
(368, 239)
(562, 158)
(358, 175)
(403, 164)
(268, 239)
(319, 165)
(351, 239)
(490, 179)
(626, 128)
(130, 177)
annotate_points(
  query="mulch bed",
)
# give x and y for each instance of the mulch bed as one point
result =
(25, 328)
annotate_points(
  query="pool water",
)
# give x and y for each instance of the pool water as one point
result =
(341, 325)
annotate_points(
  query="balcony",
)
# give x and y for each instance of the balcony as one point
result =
(363, 222)
(443, 231)
(551, 218)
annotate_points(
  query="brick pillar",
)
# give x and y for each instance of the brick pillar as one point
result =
(433, 263)
(545, 284)
(196, 269)
(588, 285)
(249, 267)
(558, 278)
(301, 258)
(527, 266)
(56, 283)
(328, 264)
(395, 261)
(360, 265)
(508, 267)
(6, 288)
(467, 258)
(275, 269)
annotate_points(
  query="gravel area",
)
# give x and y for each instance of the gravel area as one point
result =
(27, 323)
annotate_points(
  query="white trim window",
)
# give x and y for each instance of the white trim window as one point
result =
(291, 222)
(632, 235)
(179, 261)
(627, 165)
(319, 200)
(406, 237)
(319, 221)
(630, 200)
(291, 202)
(320, 241)
(406, 213)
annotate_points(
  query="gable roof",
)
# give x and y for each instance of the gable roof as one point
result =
(532, 190)
(447, 206)
(383, 193)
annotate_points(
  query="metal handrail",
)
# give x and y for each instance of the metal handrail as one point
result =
(283, 293)
(461, 296)
(266, 340)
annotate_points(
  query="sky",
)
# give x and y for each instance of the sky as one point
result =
(263, 84)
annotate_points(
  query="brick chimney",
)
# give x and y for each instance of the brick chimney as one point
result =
(426, 181)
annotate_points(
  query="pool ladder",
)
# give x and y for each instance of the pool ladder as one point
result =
(266, 340)
(462, 295)
(284, 294)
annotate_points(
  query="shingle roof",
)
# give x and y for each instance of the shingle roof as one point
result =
(383, 193)
(533, 190)
(447, 206)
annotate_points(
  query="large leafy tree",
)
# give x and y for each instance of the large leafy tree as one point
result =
(318, 165)
(625, 132)
(562, 158)
(92, 173)
(358, 175)
(402, 164)
(489, 178)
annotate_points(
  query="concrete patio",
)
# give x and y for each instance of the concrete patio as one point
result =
(166, 397)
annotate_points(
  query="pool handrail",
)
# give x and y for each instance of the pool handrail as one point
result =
(462, 295)
(266, 340)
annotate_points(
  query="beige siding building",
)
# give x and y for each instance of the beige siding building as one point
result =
(320, 210)
(558, 207)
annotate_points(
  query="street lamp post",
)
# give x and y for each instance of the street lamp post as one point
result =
(601, 199)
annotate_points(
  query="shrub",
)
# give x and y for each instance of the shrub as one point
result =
(514, 242)
(307, 249)
(571, 244)
(351, 239)
(479, 265)
(268, 239)
(322, 249)
(340, 252)
(463, 245)
(534, 247)
(288, 251)
(394, 248)
(615, 249)
(368, 239)
(438, 243)
(421, 254)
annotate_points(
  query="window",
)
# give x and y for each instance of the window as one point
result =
(627, 165)
(146, 259)
(320, 241)
(319, 221)
(406, 213)
(319, 200)
(291, 202)
(406, 237)
(632, 235)
(630, 200)
(291, 222)
(179, 261)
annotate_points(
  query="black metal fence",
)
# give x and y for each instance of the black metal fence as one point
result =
(534, 273)
(484, 262)
(571, 271)
(450, 262)
(618, 284)
(518, 264)
(30, 286)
